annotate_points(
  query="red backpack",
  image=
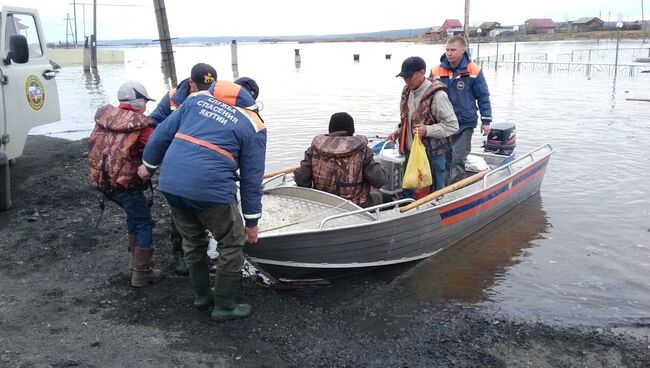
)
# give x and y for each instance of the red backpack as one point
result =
(113, 158)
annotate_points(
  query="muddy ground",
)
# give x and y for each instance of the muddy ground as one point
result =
(65, 301)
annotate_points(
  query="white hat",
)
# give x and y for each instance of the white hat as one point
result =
(132, 90)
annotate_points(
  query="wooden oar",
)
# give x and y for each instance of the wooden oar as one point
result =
(450, 188)
(286, 170)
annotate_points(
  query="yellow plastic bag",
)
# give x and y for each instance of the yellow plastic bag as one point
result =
(418, 171)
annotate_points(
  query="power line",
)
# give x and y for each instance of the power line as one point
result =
(122, 5)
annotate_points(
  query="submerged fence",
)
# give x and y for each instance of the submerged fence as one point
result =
(602, 54)
(538, 62)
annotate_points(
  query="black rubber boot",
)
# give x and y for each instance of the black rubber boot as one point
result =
(224, 299)
(201, 283)
(180, 267)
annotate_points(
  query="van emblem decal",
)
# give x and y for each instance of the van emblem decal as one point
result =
(35, 92)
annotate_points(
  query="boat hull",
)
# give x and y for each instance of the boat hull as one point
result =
(416, 234)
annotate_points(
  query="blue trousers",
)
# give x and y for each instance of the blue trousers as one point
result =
(138, 215)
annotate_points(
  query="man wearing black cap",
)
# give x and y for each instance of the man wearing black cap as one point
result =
(341, 163)
(213, 141)
(425, 110)
(201, 77)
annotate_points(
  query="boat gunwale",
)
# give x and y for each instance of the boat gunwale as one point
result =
(419, 210)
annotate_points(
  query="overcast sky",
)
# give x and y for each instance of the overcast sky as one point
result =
(302, 17)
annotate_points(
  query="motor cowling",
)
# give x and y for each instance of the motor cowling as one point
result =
(502, 139)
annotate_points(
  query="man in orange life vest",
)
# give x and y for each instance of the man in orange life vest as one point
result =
(466, 86)
(201, 77)
(341, 163)
(425, 110)
(125, 129)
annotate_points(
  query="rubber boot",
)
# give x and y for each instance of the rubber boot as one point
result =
(201, 282)
(224, 299)
(144, 273)
(180, 267)
(131, 247)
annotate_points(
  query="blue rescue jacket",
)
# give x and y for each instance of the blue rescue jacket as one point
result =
(170, 101)
(201, 146)
(466, 86)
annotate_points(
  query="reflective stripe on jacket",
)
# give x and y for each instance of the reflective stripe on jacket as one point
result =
(466, 87)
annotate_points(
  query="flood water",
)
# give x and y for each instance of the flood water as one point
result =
(577, 253)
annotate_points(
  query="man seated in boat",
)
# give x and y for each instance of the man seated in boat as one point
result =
(342, 164)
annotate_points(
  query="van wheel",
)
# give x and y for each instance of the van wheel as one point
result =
(5, 190)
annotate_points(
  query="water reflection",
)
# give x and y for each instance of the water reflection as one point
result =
(235, 71)
(613, 99)
(465, 270)
(93, 81)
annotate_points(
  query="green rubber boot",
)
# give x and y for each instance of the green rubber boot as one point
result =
(180, 267)
(224, 299)
(201, 282)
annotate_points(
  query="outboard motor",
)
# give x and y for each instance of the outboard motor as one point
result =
(502, 139)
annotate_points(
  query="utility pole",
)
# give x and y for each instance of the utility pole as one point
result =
(93, 39)
(466, 20)
(167, 54)
(67, 28)
(74, 15)
(643, 27)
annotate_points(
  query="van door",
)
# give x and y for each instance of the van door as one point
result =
(30, 97)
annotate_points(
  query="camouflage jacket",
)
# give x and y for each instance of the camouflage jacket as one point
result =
(341, 164)
(114, 152)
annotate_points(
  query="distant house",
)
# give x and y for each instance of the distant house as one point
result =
(433, 33)
(451, 27)
(486, 27)
(563, 27)
(541, 25)
(587, 24)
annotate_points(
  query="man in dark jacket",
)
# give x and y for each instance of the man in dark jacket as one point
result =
(341, 163)
(201, 77)
(466, 86)
(214, 139)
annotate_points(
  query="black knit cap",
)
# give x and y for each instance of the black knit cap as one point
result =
(250, 85)
(341, 121)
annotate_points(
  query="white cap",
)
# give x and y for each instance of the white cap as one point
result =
(132, 90)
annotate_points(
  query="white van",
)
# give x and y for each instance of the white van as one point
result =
(28, 91)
